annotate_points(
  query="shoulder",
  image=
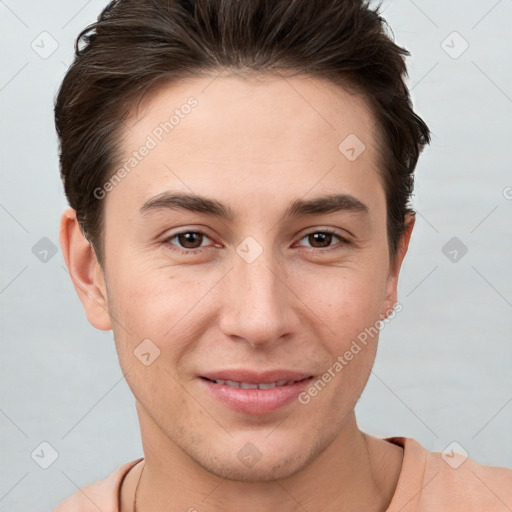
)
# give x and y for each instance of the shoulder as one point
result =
(102, 495)
(448, 481)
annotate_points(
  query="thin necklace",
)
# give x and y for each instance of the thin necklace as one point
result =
(137, 490)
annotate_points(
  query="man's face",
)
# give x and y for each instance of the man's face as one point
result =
(265, 294)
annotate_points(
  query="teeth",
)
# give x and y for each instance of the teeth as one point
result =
(247, 385)
(270, 385)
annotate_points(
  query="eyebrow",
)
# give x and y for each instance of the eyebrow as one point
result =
(195, 203)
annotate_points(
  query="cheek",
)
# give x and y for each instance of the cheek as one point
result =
(160, 311)
(350, 309)
(348, 303)
(152, 302)
(347, 300)
(155, 326)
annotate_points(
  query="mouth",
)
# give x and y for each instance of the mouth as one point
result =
(255, 393)
(259, 385)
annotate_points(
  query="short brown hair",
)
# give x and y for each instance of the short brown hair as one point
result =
(136, 44)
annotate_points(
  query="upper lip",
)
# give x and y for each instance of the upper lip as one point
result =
(253, 377)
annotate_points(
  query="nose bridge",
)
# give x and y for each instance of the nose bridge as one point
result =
(255, 306)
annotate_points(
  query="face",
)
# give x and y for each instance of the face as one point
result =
(257, 278)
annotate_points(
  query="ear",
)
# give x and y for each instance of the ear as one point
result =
(395, 266)
(85, 271)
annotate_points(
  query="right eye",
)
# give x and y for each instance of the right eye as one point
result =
(187, 242)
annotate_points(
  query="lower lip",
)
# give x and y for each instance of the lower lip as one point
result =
(256, 401)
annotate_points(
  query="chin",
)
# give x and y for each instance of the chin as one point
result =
(260, 458)
(262, 471)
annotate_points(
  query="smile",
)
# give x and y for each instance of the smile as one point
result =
(248, 385)
(255, 394)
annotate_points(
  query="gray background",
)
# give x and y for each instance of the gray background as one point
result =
(443, 370)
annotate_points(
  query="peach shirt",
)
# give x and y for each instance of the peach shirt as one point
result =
(426, 483)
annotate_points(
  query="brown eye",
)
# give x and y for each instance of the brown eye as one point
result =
(320, 239)
(325, 239)
(188, 242)
(190, 239)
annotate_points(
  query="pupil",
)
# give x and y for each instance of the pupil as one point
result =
(322, 237)
(188, 238)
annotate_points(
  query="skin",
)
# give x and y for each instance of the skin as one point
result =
(255, 144)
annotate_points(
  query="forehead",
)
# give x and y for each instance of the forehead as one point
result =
(263, 104)
(282, 134)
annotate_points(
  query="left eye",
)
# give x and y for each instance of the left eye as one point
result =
(321, 239)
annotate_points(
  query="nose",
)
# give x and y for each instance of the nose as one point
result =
(258, 302)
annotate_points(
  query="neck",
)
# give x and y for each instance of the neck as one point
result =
(356, 472)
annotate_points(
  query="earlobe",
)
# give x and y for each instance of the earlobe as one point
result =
(85, 271)
(395, 266)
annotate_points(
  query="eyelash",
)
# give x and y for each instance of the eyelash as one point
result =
(198, 250)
